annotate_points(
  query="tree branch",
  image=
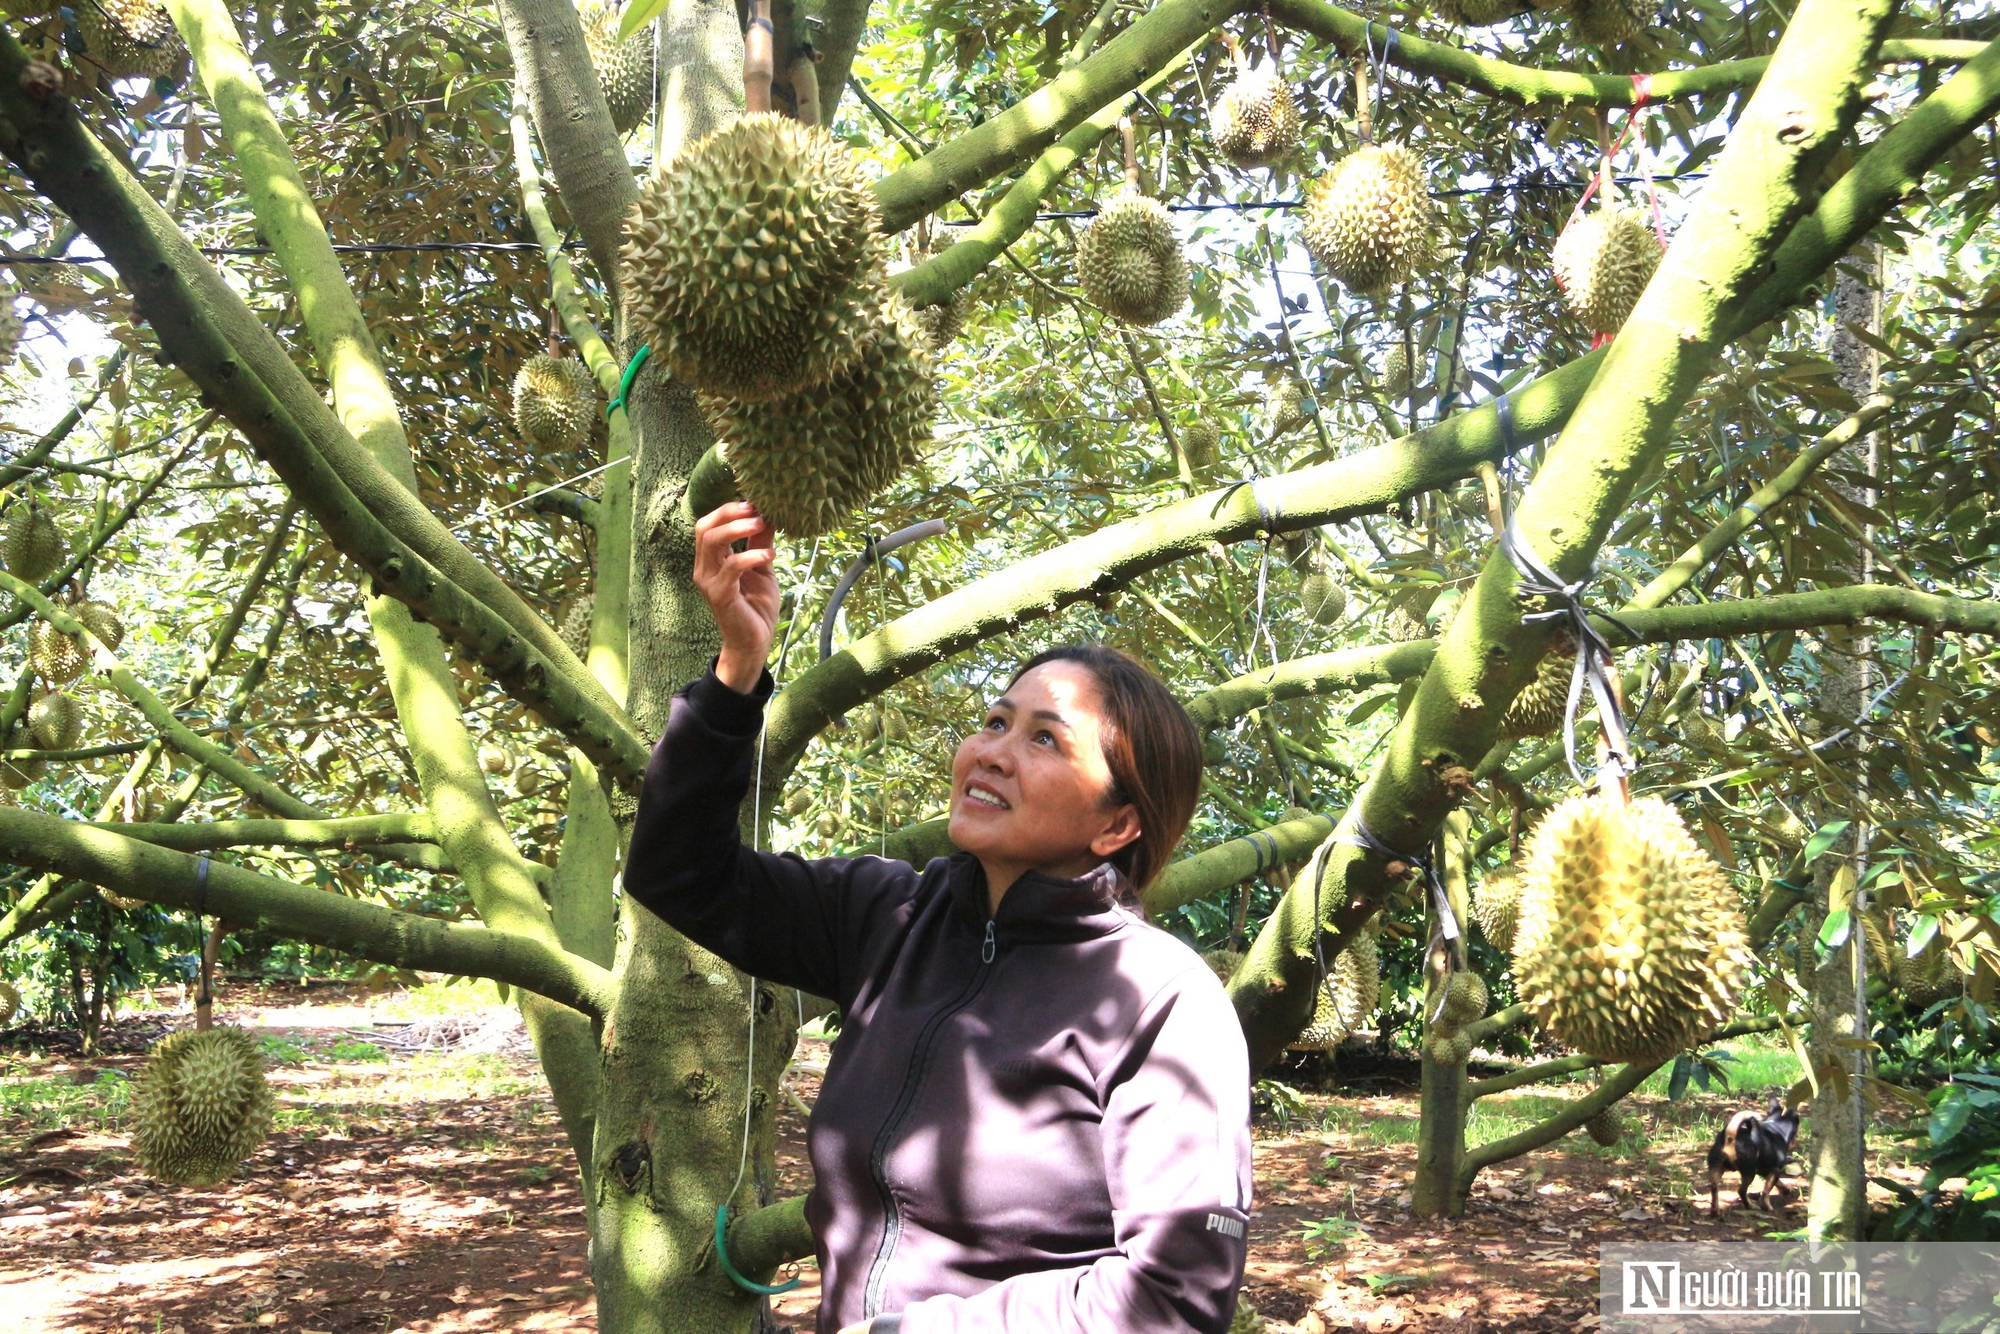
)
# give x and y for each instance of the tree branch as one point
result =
(1319, 674)
(350, 832)
(1803, 611)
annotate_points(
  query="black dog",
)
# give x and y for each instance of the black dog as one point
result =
(1752, 1146)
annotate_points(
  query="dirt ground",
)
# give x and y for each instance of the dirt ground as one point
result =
(430, 1191)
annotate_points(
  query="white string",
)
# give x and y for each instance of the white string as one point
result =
(487, 514)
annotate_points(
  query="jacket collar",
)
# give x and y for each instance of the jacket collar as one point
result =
(1041, 908)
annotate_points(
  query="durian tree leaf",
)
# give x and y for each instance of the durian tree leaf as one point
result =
(637, 15)
(1922, 932)
(1677, 1079)
(1833, 932)
(1823, 838)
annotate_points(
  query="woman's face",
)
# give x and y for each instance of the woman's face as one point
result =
(1029, 788)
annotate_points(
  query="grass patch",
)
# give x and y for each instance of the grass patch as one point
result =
(356, 1051)
(30, 1104)
(436, 998)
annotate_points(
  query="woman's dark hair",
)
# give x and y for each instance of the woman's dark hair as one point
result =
(1151, 747)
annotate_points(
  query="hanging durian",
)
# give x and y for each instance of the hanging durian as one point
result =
(1630, 944)
(496, 759)
(1480, 13)
(1223, 963)
(1285, 407)
(11, 328)
(1396, 380)
(131, 39)
(1926, 979)
(55, 721)
(942, 321)
(1448, 1046)
(57, 658)
(1697, 731)
(1465, 1000)
(1369, 219)
(1608, 22)
(1201, 442)
(17, 774)
(1322, 600)
(200, 1106)
(1255, 121)
(1356, 978)
(10, 1001)
(1129, 261)
(753, 257)
(1544, 702)
(1603, 261)
(624, 69)
(1605, 1129)
(32, 547)
(1496, 905)
(103, 622)
(807, 462)
(576, 625)
(555, 402)
(1325, 1032)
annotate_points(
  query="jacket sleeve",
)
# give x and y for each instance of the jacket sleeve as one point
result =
(800, 923)
(1176, 1139)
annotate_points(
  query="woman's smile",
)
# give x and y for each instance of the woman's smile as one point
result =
(979, 794)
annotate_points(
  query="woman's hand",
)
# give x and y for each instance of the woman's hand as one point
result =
(742, 591)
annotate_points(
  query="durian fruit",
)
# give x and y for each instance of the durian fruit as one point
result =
(1396, 380)
(555, 402)
(1255, 122)
(1401, 625)
(1630, 945)
(528, 780)
(17, 774)
(1223, 963)
(1356, 979)
(131, 39)
(754, 257)
(1285, 407)
(1129, 261)
(624, 69)
(1496, 905)
(1479, 13)
(10, 1001)
(103, 622)
(200, 1106)
(1465, 999)
(1603, 261)
(1325, 1032)
(57, 658)
(1246, 1320)
(1608, 22)
(1697, 731)
(942, 321)
(1201, 442)
(55, 721)
(806, 462)
(798, 803)
(1542, 704)
(1321, 598)
(1605, 1129)
(1448, 1047)
(32, 546)
(576, 625)
(1369, 220)
(496, 759)
(11, 329)
(1926, 979)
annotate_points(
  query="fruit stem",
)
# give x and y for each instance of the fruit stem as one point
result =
(1131, 154)
(1270, 32)
(204, 996)
(1605, 186)
(805, 85)
(757, 60)
(1363, 124)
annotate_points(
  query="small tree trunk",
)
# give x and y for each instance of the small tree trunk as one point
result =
(1441, 1102)
(204, 996)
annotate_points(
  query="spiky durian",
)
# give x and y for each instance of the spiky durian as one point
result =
(1605, 1129)
(808, 460)
(1246, 1320)
(1608, 22)
(1223, 963)
(1255, 122)
(1480, 13)
(1448, 1047)
(131, 39)
(1465, 1000)
(576, 624)
(1402, 625)
(57, 657)
(1369, 219)
(17, 774)
(1325, 1032)
(1603, 261)
(1129, 261)
(752, 259)
(1285, 407)
(1630, 945)
(10, 1001)
(624, 69)
(1697, 731)
(1540, 707)
(1322, 600)
(103, 622)
(1356, 977)
(200, 1106)
(55, 721)
(1926, 979)
(11, 329)
(1202, 443)
(1396, 371)
(33, 546)
(555, 402)
(1496, 905)
(496, 759)
(942, 321)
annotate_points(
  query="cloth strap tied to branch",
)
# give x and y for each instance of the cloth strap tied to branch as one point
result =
(1446, 933)
(1593, 653)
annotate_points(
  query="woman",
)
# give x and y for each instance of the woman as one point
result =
(1036, 1118)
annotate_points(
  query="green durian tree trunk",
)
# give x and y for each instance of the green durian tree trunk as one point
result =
(1442, 1104)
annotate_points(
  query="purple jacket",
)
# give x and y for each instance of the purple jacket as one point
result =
(1036, 1122)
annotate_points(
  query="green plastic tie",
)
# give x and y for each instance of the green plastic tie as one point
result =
(722, 1210)
(625, 385)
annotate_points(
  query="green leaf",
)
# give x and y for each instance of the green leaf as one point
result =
(1921, 934)
(1677, 1082)
(1834, 930)
(1824, 837)
(638, 14)
(1951, 1117)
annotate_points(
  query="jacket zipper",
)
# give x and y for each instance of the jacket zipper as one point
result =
(892, 1219)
